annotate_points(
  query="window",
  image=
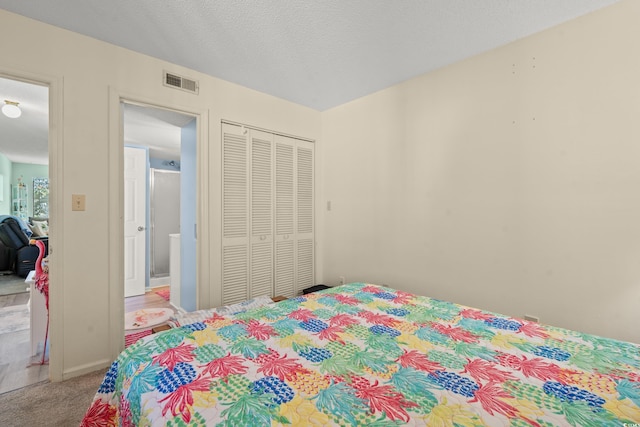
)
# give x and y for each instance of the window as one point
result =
(41, 197)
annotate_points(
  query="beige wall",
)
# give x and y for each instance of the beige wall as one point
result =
(509, 181)
(87, 76)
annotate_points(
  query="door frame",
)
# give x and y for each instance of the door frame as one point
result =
(116, 208)
(56, 213)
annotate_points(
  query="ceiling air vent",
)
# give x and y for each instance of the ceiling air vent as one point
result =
(179, 82)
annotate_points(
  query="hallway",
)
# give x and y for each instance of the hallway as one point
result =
(17, 367)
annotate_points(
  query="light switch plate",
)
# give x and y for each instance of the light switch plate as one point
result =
(77, 202)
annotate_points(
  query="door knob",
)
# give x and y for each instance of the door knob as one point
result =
(140, 228)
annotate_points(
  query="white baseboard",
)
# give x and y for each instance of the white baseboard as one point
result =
(86, 369)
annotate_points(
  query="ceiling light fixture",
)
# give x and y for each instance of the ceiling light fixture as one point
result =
(11, 109)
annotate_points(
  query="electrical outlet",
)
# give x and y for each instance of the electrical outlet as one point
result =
(342, 280)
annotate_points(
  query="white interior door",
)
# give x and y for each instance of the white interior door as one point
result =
(135, 169)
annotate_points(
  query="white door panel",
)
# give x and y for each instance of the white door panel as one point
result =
(135, 169)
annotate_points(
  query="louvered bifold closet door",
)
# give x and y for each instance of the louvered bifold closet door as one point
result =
(268, 221)
(235, 214)
(304, 215)
(261, 261)
(294, 216)
(285, 276)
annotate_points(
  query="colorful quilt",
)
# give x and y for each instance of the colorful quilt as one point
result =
(362, 354)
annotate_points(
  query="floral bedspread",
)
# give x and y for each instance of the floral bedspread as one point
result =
(362, 354)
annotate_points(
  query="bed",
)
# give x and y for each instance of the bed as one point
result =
(363, 354)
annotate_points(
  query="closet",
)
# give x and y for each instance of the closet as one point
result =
(267, 218)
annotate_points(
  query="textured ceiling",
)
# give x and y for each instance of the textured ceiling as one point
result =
(318, 53)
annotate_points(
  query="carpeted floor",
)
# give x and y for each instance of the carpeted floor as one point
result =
(12, 284)
(50, 404)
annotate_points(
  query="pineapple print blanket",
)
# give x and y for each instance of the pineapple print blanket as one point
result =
(362, 354)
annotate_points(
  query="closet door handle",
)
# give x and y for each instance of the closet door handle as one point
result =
(141, 228)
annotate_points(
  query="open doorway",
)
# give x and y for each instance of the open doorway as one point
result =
(24, 208)
(159, 212)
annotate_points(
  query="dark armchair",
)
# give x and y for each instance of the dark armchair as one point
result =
(18, 255)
